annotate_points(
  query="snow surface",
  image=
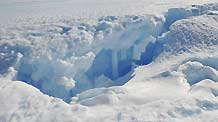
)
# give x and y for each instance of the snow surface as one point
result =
(109, 61)
(11, 9)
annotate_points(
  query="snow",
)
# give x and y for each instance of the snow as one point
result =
(113, 61)
(88, 8)
(195, 72)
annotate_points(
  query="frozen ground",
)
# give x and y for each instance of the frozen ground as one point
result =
(108, 61)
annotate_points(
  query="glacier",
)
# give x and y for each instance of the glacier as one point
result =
(159, 67)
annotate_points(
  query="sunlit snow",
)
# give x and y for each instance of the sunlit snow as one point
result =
(112, 61)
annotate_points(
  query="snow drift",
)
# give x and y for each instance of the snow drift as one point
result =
(106, 64)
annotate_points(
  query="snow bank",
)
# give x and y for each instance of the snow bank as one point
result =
(65, 58)
(54, 54)
(71, 59)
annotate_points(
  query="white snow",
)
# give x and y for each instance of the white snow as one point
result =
(108, 61)
(88, 8)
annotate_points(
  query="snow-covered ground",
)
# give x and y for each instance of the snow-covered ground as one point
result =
(11, 9)
(108, 61)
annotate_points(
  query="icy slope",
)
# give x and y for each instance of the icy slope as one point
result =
(148, 68)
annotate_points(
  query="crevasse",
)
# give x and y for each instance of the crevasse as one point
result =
(65, 59)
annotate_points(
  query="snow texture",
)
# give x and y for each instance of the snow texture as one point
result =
(105, 68)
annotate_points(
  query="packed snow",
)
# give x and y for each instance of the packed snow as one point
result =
(108, 61)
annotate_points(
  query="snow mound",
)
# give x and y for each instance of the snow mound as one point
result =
(190, 35)
(205, 87)
(195, 72)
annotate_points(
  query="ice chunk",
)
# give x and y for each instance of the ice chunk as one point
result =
(195, 72)
(114, 64)
(205, 88)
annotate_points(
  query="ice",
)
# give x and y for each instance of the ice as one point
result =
(83, 52)
(195, 72)
(206, 87)
(114, 62)
(156, 67)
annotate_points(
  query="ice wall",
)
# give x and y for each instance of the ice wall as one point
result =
(125, 46)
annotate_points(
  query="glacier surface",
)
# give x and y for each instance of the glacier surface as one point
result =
(153, 67)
